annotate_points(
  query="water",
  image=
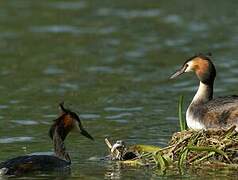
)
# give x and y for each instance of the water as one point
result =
(110, 62)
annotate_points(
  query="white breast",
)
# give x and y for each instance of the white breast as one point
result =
(192, 122)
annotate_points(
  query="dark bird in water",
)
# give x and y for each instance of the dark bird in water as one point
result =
(205, 112)
(65, 123)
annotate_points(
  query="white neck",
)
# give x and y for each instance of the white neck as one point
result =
(204, 93)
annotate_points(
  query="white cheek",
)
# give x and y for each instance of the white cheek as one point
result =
(189, 68)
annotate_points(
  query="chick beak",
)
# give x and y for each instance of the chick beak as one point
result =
(86, 134)
(178, 72)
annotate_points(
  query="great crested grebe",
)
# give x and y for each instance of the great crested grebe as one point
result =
(67, 121)
(205, 112)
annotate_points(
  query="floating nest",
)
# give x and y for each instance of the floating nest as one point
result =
(192, 149)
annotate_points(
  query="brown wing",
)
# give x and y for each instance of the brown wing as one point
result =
(222, 111)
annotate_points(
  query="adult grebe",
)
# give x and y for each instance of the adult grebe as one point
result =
(205, 112)
(67, 121)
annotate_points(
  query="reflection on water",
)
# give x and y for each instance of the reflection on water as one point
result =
(7, 140)
(128, 14)
(113, 171)
(110, 62)
(90, 116)
(118, 109)
(25, 122)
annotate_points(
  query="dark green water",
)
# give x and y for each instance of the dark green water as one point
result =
(110, 62)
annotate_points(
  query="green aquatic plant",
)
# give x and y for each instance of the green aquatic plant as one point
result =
(182, 121)
(144, 148)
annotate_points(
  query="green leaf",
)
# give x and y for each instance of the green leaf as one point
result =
(182, 158)
(182, 121)
(160, 161)
(144, 148)
(209, 149)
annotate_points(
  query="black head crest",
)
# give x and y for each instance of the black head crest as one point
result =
(61, 105)
(67, 121)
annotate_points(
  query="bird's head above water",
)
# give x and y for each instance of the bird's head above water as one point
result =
(67, 122)
(201, 65)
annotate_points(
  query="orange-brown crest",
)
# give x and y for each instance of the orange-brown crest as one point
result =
(68, 121)
(200, 65)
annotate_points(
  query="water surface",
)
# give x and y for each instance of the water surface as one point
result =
(110, 62)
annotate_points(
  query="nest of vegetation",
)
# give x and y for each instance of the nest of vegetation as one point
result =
(214, 148)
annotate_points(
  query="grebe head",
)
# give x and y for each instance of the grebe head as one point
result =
(67, 122)
(201, 65)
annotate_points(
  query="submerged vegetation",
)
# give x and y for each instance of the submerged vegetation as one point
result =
(214, 148)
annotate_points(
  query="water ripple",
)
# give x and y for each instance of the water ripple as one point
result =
(72, 29)
(118, 116)
(232, 80)
(136, 53)
(90, 116)
(173, 18)
(119, 109)
(4, 106)
(25, 122)
(197, 27)
(69, 86)
(13, 101)
(53, 70)
(8, 140)
(176, 42)
(68, 5)
(49, 116)
(99, 69)
(55, 29)
(42, 153)
(128, 13)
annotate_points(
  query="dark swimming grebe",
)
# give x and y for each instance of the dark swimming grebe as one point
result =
(205, 112)
(58, 132)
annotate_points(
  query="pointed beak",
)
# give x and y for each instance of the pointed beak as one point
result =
(178, 72)
(86, 134)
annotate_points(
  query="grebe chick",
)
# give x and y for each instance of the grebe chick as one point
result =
(205, 112)
(67, 121)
